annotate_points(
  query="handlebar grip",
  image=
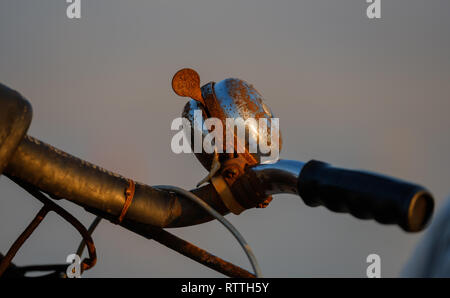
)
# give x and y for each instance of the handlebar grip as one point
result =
(366, 195)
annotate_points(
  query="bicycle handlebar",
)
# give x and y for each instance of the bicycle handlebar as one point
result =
(362, 194)
(61, 175)
(366, 195)
(101, 192)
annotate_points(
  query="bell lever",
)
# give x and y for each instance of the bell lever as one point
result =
(186, 83)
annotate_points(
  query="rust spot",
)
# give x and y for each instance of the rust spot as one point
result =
(186, 83)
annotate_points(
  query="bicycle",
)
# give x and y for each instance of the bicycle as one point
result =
(237, 182)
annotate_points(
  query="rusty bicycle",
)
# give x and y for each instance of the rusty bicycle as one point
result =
(236, 181)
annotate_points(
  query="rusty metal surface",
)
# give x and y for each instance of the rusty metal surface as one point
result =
(244, 184)
(6, 261)
(49, 205)
(228, 99)
(129, 194)
(189, 250)
(239, 99)
(87, 263)
(186, 83)
(160, 235)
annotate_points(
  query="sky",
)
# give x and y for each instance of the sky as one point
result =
(360, 93)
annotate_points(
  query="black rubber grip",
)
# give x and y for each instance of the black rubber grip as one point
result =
(366, 195)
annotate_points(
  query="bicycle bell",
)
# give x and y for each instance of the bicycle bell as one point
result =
(230, 98)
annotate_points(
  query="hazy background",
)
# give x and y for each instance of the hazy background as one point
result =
(371, 94)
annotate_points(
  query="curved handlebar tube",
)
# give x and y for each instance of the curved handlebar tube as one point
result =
(102, 192)
(15, 118)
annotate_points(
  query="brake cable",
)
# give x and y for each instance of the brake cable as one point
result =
(207, 208)
(222, 220)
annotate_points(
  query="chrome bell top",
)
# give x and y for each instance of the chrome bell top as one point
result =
(230, 98)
